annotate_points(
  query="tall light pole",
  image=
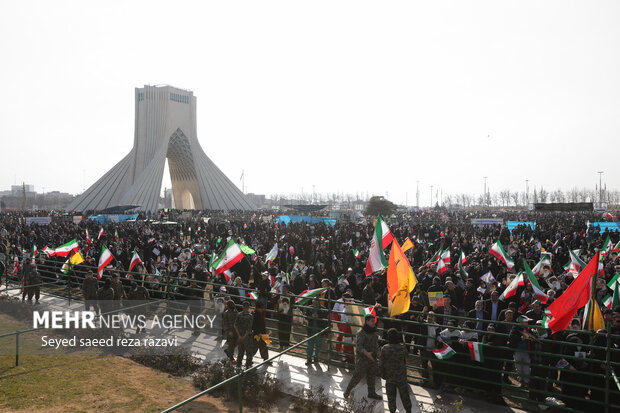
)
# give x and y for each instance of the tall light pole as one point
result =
(527, 193)
(600, 186)
(484, 196)
(431, 196)
(417, 194)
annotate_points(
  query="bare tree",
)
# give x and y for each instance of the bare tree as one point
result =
(515, 198)
(505, 196)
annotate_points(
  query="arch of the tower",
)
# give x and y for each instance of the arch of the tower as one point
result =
(183, 172)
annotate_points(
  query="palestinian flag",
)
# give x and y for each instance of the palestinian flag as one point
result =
(538, 292)
(512, 288)
(356, 253)
(271, 255)
(105, 258)
(116, 237)
(371, 311)
(135, 259)
(229, 257)
(545, 259)
(307, 295)
(100, 234)
(253, 295)
(475, 351)
(444, 353)
(488, 277)
(376, 258)
(498, 252)
(67, 248)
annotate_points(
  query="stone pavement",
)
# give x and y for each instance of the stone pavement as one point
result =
(294, 375)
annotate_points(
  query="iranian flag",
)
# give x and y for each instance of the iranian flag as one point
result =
(460, 266)
(229, 257)
(441, 267)
(475, 351)
(116, 237)
(307, 295)
(47, 250)
(538, 292)
(617, 247)
(615, 280)
(386, 236)
(434, 259)
(67, 248)
(445, 256)
(35, 251)
(376, 258)
(370, 311)
(135, 259)
(512, 288)
(498, 252)
(105, 258)
(444, 353)
(606, 248)
(356, 253)
(613, 301)
(545, 259)
(65, 267)
(253, 295)
(100, 234)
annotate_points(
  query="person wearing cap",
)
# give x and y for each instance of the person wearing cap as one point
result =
(229, 318)
(367, 352)
(89, 291)
(393, 367)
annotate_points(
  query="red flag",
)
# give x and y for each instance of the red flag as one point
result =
(563, 309)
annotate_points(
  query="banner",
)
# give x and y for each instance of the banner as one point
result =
(481, 222)
(38, 220)
(513, 224)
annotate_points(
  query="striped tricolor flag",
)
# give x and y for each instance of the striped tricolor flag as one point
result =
(475, 351)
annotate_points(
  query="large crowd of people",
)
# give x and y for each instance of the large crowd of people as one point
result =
(176, 250)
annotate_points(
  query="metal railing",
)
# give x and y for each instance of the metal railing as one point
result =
(595, 374)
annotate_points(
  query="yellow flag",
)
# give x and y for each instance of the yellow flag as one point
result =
(400, 281)
(595, 317)
(76, 258)
(407, 245)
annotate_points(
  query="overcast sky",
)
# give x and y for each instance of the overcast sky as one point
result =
(348, 96)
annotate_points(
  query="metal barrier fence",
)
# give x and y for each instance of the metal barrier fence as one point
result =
(581, 371)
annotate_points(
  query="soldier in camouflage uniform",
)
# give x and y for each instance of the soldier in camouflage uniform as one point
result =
(392, 364)
(89, 291)
(366, 355)
(243, 328)
(229, 317)
(119, 292)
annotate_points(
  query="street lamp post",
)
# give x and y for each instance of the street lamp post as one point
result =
(484, 195)
(600, 186)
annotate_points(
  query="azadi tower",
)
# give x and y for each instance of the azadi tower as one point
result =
(165, 128)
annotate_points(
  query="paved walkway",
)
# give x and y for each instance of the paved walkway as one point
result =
(294, 375)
